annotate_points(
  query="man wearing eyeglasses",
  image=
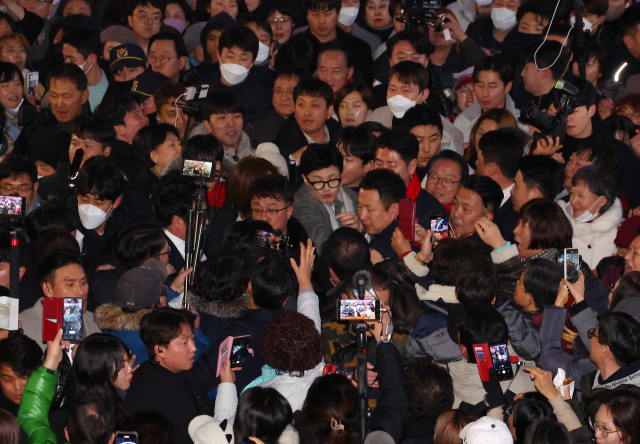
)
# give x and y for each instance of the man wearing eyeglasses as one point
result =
(145, 18)
(19, 176)
(167, 55)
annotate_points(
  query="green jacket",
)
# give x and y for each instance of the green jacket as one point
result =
(33, 415)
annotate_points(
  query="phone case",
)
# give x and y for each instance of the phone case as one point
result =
(223, 353)
(483, 359)
(407, 218)
(51, 318)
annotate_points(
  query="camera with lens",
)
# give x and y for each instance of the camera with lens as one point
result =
(556, 124)
(417, 14)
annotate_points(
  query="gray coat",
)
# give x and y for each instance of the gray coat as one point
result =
(314, 217)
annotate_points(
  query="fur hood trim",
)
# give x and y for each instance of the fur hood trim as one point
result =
(111, 317)
(445, 292)
(289, 436)
(605, 223)
(230, 309)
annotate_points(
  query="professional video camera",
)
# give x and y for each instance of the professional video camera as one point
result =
(556, 124)
(417, 14)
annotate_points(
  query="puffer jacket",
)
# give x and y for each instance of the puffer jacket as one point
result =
(35, 404)
(113, 320)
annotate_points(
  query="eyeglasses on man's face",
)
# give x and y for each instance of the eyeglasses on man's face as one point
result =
(446, 182)
(271, 213)
(333, 183)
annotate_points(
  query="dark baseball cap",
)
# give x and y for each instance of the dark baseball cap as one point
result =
(126, 55)
(146, 84)
(139, 288)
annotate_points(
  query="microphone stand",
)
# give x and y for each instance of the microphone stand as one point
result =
(579, 52)
(361, 369)
(193, 241)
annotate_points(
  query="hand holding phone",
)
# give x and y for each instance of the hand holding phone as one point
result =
(439, 227)
(358, 309)
(126, 437)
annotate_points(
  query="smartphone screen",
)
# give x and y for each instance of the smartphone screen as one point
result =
(571, 264)
(13, 206)
(197, 168)
(358, 309)
(277, 243)
(126, 438)
(72, 319)
(439, 229)
(33, 78)
(500, 358)
(239, 352)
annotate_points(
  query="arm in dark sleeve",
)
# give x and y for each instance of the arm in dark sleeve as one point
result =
(31, 26)
(472, 51)
(393, 403)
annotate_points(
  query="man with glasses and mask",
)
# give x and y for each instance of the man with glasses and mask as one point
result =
(19, 176)
(322, 205)
(145, 18)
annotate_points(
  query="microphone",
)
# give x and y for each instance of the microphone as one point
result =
(75, 165)
(362, 281)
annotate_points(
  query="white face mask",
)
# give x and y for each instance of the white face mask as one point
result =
(503, 18)
(348, 15)
(82, 67)
(484, 2)
(587, 216)
(92, 216)
(399, 105)
(588, 26)
(263, 53)
(15, 110)
(233, 73)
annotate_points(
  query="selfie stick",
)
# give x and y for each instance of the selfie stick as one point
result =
(578, 45)
(362, 279)
(193, 239)
(14, 270)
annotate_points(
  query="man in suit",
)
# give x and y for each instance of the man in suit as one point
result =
(499, 152)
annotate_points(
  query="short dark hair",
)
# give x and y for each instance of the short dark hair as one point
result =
(262, 411)
(402, 142)
(319, 156)
(421, 115)
(271, 283)
(430, 390)
(86, 42)
(171, 196)
(203, 147)
(91, 421)
(374, 127)
(621, 332)
(21, 353)
(240, 237)
(68, 72)
(274, 186)
(452, 156)
(138, 242)
(322, 5)
(390, 187)
(600, 153)
(542, 278)
(623, 403)
(452, 257)
(543, 173)
(58, 259)
(548, 224)
(101, 177)
(597, 7)
(546, 431)
(221, 102)
(336, 45)
(535, 8)
(282, 7)
(600, 182)
(346, 250)
(360, 88)
(162, 326)
(409, 72)
(8, 71)
(158, 4)
(260, 21)
(178, 41)
(488, 190)
(477, 283)
(239, 36)
(629, 20)
(419, 40)
(94, 129)
(546, 55)
(51, 216)
(15, 166)
(149, 138)
(481, 324)
(222, 277)
(168, 92)
(527, 411)
(357, 142)
(115, 109)
(504, 147)
(587, 93)
(495, 64)
(313, 87)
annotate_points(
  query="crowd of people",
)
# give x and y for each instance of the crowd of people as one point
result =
(207, 180)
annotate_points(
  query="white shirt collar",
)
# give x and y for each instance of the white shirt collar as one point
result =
(177, 242)
(310, 140)
(506, 194)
